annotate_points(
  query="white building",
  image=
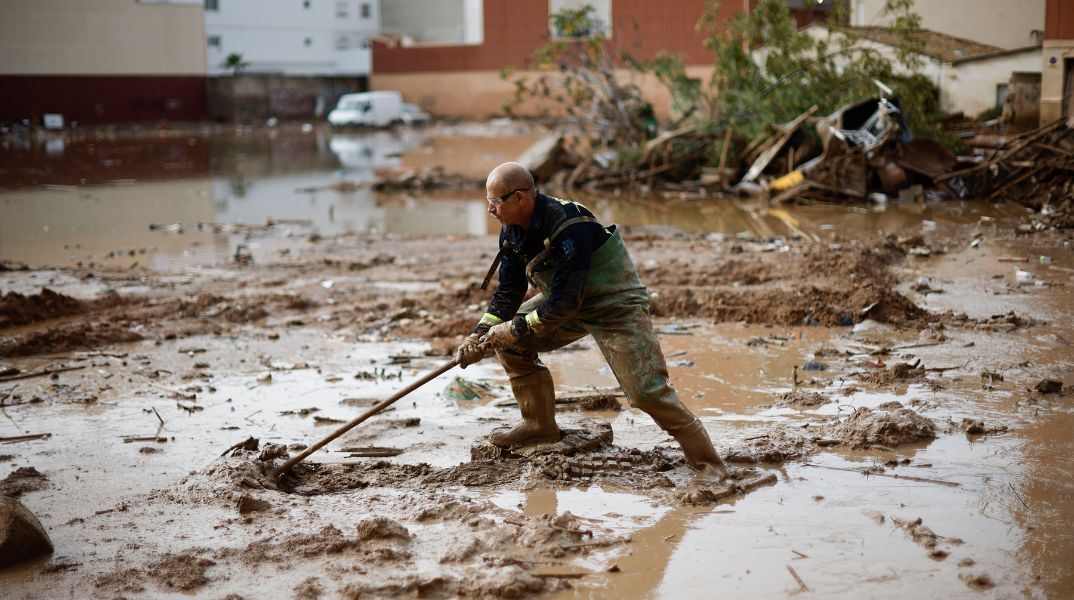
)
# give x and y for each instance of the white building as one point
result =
(1006, 24)
(970, 76)
(327, 38)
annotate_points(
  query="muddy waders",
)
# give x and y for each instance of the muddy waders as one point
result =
(615, 312)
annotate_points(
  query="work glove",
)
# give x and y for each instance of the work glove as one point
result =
(500, 336)
(470, 351)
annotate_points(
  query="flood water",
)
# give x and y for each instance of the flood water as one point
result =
(64, 203)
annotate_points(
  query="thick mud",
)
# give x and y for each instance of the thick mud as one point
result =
(890, 389)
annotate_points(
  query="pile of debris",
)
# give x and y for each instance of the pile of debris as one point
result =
(1035, 168)
(863, 151)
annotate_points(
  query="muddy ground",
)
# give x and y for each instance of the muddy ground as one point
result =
(877, 402)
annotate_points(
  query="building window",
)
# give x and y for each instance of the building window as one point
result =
(1001, 94)
(366, 10)
(213, 41)
(597, 20)
(342, 9)
(212, 4)
(343, 41)
(305, 3)
(308, 42)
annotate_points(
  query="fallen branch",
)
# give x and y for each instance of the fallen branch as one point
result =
(41, 373)
(801, 584)
(24, 438)
(182, 395)
(127, 439)
(896, 476)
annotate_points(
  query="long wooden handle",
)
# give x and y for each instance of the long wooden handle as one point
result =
(369, 413)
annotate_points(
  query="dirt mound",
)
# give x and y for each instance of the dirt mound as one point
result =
(506, 582)
(802, 305)
(224, 481)
(777, 445)
(313, 480)
(22, 480)
(71, 336)
(847, 283)
(211, 306)
(889, 429)
(276, 549)
(17, 309)
(185, 571)
(130, 581)
(381, 527)
(899, 373)
(802, 399)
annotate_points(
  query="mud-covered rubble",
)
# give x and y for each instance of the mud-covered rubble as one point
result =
(802, 399)
(22, 480)
(897, 373)
(866, 428)
(778, 444)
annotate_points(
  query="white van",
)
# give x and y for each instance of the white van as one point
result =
(375, 109)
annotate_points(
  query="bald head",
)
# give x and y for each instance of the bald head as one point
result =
(511, 194)
(508, 177)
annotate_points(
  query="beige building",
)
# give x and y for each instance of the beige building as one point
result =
(1002, 23)
(102, 60)
(1057, 79)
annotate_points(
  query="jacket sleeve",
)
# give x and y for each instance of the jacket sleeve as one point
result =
(509, 292)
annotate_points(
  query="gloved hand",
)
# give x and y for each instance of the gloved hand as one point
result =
(500, 336)
(470, 351)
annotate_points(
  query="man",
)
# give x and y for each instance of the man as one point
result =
(589, 286)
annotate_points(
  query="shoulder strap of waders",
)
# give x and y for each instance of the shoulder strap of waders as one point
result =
(506, 247)
(543, 254)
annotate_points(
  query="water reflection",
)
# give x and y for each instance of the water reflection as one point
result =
(111, 190)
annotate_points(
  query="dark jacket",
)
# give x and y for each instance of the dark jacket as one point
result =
(569, 257)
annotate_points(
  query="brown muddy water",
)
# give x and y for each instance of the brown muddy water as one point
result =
(1001, 506)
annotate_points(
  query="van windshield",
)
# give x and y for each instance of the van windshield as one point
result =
(362, 105)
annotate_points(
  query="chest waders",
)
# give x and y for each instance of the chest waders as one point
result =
(615, 311)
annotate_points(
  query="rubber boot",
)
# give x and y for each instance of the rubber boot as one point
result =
(536, 396)
(702, 456)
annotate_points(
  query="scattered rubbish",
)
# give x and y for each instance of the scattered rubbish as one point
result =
(873, 473)
(801, 584)
(327, 420)
(43, 373)
(371, 451)
(130, 439)
(463, 390)
(300, 412)
(1049, 386)
(24, 438)
(978, 427)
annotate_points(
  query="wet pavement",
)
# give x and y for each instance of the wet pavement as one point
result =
(1000, 504)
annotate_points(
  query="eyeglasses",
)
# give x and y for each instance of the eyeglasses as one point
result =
(496, 202)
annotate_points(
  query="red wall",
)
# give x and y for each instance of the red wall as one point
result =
(102, 98)
(514, 29)
(1059, 20)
